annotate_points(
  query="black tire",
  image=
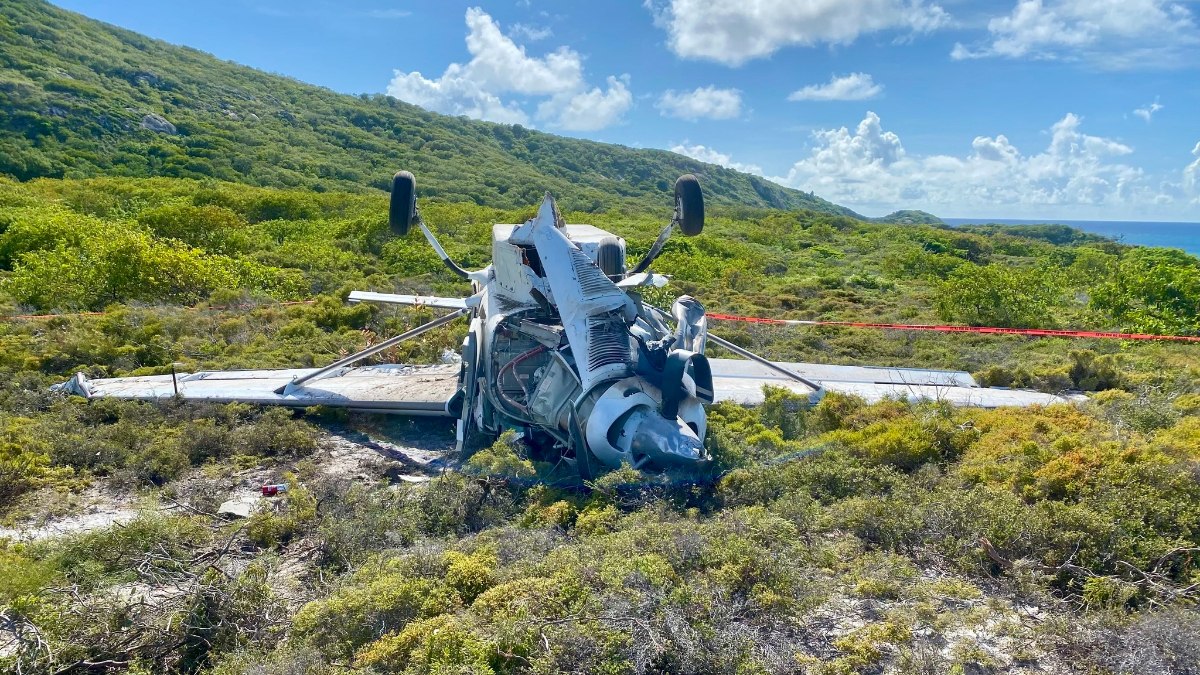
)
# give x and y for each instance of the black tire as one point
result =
(402, 210)
(690, 202)
(610, 258)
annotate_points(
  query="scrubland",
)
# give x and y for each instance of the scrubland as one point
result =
(845, 537)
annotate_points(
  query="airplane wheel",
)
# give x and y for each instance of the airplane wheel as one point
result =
(610, 257)
(690, 200)
(402, 209)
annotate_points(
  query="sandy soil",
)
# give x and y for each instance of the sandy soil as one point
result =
(410, 453)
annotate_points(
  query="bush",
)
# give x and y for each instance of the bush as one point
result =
(501, 459)
(1092, 372)
(597, 520)
(470, 575)
(161, 461)
(998, 295)
(456, 504)
(276, 524)
(438, 644)
(24, 462)
(275, 433)
(366, 609)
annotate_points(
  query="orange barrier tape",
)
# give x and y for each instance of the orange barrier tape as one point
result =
(1033, 332)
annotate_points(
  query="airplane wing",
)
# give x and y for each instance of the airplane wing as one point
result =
(430, 390)
(396, 389)
(742, 382)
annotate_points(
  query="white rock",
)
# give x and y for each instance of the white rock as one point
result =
(238, 507)
(158, 123)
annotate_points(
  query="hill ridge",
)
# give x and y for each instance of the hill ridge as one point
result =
(81, 98)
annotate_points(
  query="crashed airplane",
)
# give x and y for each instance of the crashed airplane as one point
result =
(562, 347)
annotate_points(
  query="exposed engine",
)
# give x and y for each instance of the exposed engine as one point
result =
(577, 357)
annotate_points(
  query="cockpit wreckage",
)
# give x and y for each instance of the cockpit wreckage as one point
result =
(561, 347)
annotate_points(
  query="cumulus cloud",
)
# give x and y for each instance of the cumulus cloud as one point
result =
(1147, 112)
(735, 32)
(704, 102)
(455, 94)
(711, 156)
(852, 87)
(589, 110)
(868, 168)
(1116, 34)
(499, 66)
(1191, 176)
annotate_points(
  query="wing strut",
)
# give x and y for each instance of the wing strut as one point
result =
(755, 357)
(369, 351)
(815, 386)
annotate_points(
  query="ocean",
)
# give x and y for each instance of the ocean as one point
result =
(1169, 235)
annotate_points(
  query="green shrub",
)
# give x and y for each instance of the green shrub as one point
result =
(93, 558)
(161, 461)
(470, 575)
(501, 459)
(23, 576)
(275, 433)
(438, 644)
(999, 295)
(24, 460)
(1092, 372)
(594, 521)
(276, 524)
(360, 613)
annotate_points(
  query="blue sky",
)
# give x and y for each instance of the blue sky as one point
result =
(1072, 109)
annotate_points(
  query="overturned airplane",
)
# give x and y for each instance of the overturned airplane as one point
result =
(562, 347)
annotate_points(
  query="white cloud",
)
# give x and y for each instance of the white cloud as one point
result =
(869, 169)
(852, 87)
(499, 66)
(455, 94)
(530, 32)
(711, 156)
(704, 102)
(1191, 176)
(388, 13)
(589, 110)
(1115, 34)
(1147, 112)
(735, 32)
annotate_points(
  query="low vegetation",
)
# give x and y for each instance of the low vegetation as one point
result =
(841, 538)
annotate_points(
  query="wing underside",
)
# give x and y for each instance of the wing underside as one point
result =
(429, 390)
(403, 390)
(742, 382)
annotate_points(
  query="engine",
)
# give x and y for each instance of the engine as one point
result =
(572, 354)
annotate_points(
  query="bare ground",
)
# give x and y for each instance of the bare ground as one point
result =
(403, 452)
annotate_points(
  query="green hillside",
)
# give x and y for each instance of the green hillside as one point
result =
(80, 98)
(909, 217)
